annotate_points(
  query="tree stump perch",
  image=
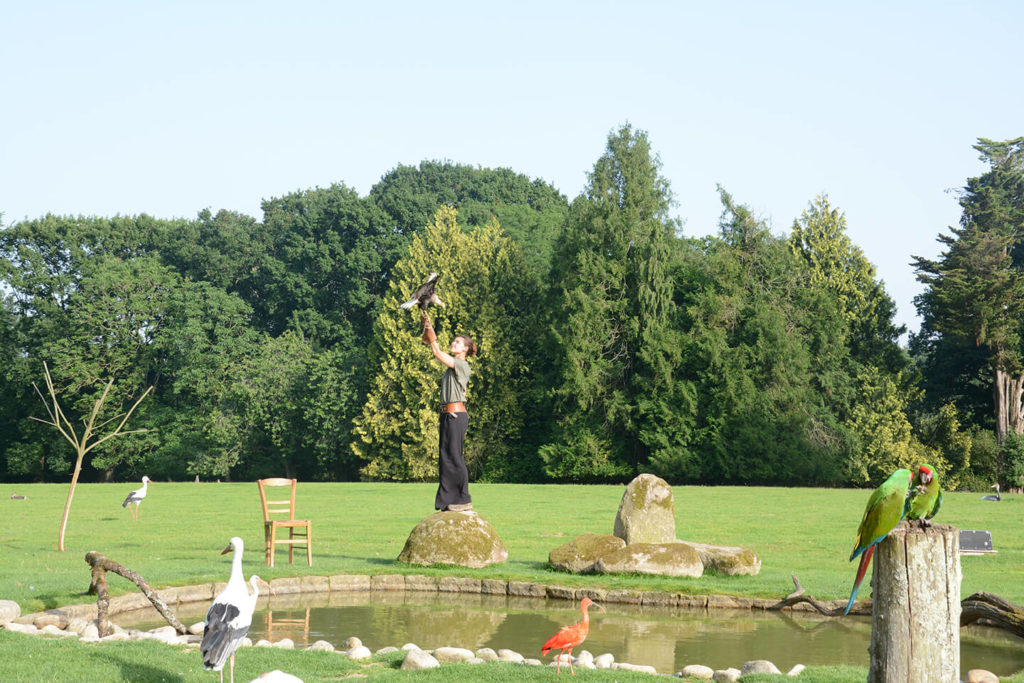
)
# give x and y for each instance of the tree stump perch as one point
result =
(100, 566)
(915, 630)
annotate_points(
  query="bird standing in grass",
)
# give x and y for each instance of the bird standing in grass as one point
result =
(136, 497)
(995, 497)
(570, 636)
(884, 511)
(925, 498)
(229, 617)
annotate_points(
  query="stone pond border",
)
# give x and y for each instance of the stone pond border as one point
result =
(342, 583)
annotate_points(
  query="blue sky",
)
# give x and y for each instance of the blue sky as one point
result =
(169, 108)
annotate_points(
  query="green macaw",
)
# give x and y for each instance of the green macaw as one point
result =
(925, 498)
(884, 511)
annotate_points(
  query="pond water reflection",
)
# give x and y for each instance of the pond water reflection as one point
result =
(666, 638)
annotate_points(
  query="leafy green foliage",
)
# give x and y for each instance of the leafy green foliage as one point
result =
(486, 287)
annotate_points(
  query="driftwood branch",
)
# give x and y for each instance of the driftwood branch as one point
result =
(100, 566)
(993, 611)
(799, 595)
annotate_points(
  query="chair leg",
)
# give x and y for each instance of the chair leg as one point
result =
(273, 540)
(291, 546)
(309, 543)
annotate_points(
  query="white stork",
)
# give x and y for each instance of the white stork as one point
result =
(227, 621)
(136, 497)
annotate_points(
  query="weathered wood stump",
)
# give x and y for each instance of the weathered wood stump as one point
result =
(98, 586)
(915, 630)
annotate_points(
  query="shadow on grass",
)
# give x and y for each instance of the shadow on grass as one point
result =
(133, 671)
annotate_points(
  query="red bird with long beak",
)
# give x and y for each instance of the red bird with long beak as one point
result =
(570, 636)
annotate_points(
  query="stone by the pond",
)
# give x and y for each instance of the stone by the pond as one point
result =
(647, 512)
(796, 670)
(352, 642)
(453, 654)
(285, 644)
(980, 676)
(322, 645)
(460, 538)
(359, 652)
(604, 661)
(664, 559)
(729, 675)
(487, 654)
(9, 611)
(579, 555)
(759, 666)
(417, 659)
(697, 671)
(506, 655)
(411, 646)
(387, 650)
(636, 668)
(727, 560)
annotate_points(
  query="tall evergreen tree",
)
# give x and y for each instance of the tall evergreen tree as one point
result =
(488, 291)
(612, 323)
(975, 290)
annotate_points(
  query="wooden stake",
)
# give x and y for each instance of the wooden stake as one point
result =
(915, 630)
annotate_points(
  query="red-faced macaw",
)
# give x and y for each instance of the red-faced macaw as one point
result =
(884, 511)
(925, 498)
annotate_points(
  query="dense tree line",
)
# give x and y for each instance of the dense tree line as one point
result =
(610, 344)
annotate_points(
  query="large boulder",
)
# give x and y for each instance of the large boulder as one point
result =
(727, 560)
(579, 555)
(647, 512)
(664, 559)
(460, 538)
(9, 611)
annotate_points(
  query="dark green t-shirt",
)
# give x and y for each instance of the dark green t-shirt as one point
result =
(454, 382)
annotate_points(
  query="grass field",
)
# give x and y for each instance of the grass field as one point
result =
(361, 528)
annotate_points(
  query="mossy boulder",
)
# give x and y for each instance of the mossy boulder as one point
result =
(728, 560)
(579, 555)
(647, 512)
(663, 559)
(460, 538)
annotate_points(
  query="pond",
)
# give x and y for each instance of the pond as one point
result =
(666, 638)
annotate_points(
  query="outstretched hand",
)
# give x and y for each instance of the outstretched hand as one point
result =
(429, 337)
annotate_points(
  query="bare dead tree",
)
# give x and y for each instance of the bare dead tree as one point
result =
(992, 610)
(85, 441)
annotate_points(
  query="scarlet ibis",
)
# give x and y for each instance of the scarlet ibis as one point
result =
(229, 617)
(424, 295)
(570, 636)
(136, 497)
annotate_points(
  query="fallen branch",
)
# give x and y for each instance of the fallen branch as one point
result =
(798, 596)
(100, 566)
(993, 611)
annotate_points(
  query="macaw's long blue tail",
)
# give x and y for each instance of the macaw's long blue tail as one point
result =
(865, 560)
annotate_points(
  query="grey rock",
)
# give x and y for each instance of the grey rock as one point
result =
(417, 659)
(727, 560)
(580, 555)
(9, 611)
(322, 645)
(697, 671)
(729, 675)
(453, 654)
(352, 642)
(388, 650)
(604, 661)
(359, 652)
(263, 642)
(796, 670)
(21, 628)
(410, 646)
(510, 656)
(285, 644)
(636, 668)
(487, 654)
(647, 512)
(475, 660)
(980, 676)
(663, 559)
(759, 666)
(197, 628)
(466, 540)
(532, 662)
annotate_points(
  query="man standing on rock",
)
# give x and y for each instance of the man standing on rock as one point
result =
(453, 477)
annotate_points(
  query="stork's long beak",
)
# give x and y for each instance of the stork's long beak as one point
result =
(225, 551)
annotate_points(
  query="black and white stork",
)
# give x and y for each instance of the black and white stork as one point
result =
(136, 497)
(424, 295)
(229, 617)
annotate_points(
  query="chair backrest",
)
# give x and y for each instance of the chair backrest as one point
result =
(277, 507)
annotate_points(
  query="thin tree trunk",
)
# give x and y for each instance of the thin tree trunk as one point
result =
(67, 505)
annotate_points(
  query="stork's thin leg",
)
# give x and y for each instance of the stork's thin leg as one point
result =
(232, 668)
(570, 663)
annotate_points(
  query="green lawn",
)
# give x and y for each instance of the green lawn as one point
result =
(361, 528)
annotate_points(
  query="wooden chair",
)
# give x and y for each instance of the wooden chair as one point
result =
(300, 531)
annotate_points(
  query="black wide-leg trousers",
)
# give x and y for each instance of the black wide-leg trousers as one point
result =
(453, 477)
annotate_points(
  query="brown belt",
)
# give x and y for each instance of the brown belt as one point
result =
(459, 407)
